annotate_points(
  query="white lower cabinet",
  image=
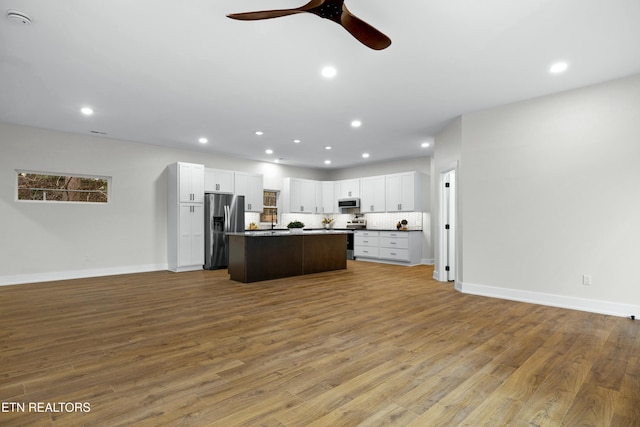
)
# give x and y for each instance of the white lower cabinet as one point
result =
(401, 246)
(190, 255)
(366, 244)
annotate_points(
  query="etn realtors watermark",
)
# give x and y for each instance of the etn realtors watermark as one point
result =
(45, 407)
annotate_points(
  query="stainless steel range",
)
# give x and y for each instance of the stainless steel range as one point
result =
(358, 222)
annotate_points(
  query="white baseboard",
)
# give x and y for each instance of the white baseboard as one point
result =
(573, 303)
(427, 261)
(386, 261)
(78, 274)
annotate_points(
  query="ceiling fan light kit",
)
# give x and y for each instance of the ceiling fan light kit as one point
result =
(333, 10)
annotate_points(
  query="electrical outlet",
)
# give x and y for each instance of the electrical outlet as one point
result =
(586, 280)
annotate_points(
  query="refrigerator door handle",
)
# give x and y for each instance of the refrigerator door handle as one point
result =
(226, 218)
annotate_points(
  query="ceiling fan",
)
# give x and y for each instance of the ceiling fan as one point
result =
(334, 10)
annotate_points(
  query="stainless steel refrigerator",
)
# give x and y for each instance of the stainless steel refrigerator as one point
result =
(223, 213)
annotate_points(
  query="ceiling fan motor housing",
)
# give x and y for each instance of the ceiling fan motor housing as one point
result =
(330, 11)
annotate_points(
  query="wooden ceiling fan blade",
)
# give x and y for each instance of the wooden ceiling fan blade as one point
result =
(268, 14)
(265, 14)
(365, 33)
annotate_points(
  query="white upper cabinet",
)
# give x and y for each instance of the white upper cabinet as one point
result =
(318, 208)
(250, 185)
(325, 200)
(329, 203)
(372, 194)
(401, 192)
(190, 182)
(404, 192)
(299, 195)
(218, 181)
(348, 188)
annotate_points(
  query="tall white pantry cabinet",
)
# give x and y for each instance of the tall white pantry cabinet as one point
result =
(185, 216)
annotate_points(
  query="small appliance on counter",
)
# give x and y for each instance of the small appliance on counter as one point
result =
(358, 222)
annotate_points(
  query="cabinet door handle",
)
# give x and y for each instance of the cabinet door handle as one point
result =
(399, 206)
(301, 208)
(371, 207)
(393, 243)
(217, 186)
(249, 206)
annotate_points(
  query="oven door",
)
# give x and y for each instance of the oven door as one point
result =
(350, 246)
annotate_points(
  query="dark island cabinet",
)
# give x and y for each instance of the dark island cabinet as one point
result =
(255, 257)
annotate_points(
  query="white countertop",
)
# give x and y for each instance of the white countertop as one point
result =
(269, 233)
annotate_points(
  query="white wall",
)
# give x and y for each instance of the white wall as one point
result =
(44, 241)
(549, 192)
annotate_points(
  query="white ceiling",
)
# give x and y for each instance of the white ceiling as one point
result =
(168, 72)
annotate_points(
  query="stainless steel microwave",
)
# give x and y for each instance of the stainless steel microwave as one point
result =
(349, 203)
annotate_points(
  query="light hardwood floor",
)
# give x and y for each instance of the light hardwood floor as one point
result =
(373, 345)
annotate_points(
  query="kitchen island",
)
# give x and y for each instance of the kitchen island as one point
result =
(260, 255)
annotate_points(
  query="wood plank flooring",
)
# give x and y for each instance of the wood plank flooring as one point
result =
(373, 345)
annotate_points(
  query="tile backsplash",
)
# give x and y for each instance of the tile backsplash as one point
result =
(386, 220)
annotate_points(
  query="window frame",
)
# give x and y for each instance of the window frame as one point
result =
(108, 179)
(265, 207)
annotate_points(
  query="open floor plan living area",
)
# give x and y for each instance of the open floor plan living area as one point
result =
(332, 214)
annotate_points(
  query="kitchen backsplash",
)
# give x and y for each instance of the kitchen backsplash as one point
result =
(380, 221)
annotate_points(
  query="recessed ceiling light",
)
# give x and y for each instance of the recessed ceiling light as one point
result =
(328, 147)
(356, 123)
(327, 162)
(268, 151)
(558, 67)
(365, 155)
(297, 141)
(427, 142)
(329, 72)
(259, 132)
(86, 111)
(203, 140)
